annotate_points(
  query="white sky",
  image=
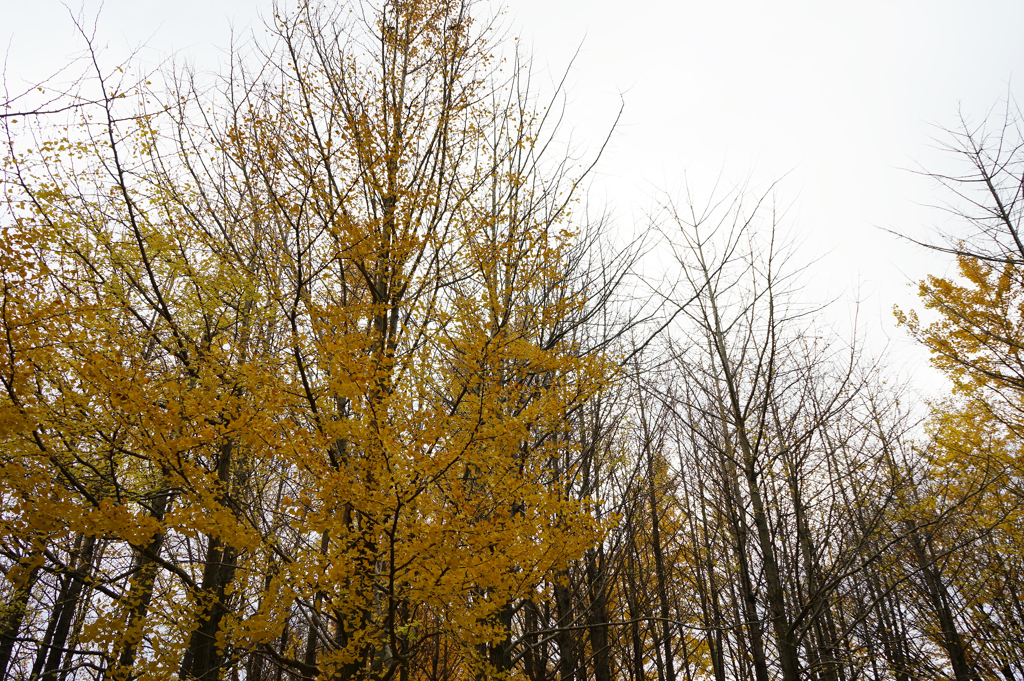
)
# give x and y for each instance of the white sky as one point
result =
(840, 97)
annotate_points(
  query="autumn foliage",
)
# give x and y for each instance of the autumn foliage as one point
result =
(327, 371)
(320, 351)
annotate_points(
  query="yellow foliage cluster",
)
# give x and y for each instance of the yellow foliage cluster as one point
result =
(312, 344)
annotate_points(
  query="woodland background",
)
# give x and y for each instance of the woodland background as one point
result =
(330, 369)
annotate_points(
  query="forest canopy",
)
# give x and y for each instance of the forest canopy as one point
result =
(331, 370)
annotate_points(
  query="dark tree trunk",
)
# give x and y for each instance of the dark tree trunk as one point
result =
(938, 595)
(203, 660)
(312, 636)
(14, 609)
(566, 641)
(141, 594)
(637, 668)
(789, 659)
(531, 662)
(501, 651)
(343, 636)
(80, 570)
(598, 614)
(707, 586)
(661, 578)
(738, 528)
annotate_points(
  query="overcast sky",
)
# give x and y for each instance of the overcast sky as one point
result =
(840, 98)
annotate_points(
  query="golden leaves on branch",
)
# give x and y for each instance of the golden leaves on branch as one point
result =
(309, 353)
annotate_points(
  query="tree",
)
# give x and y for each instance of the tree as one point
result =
(301, 356)
(976, 341)
(976, 338)
(782, 464)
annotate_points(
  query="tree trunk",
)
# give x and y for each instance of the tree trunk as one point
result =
(141, 594)
(598, 614)
(637, 668)
(949, 636)
(501, 651)
(784, 634)
(14, 609)
(564, 637)
(788, 657)
(661, 578)
(707, 587)
(739, 531)
(312, 637)
(531, 663)
(820, 648)
(366, 550)
(203, 659)
(68, 607)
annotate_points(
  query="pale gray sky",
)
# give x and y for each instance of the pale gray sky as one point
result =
(841, 97)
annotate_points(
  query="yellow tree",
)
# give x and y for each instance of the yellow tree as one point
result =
(976, 340)
(313, 358)
(977, 337)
